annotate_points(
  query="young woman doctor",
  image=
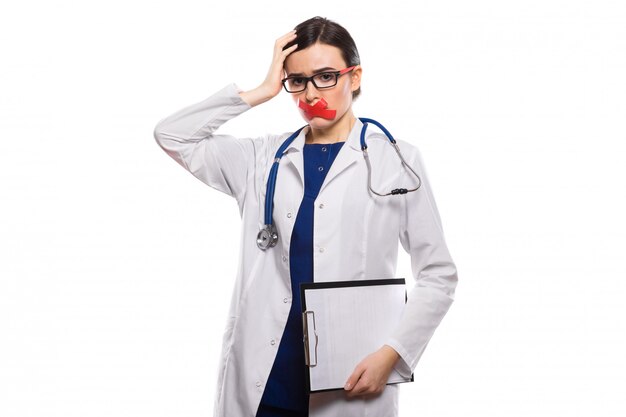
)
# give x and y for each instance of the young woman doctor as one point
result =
(333, 221)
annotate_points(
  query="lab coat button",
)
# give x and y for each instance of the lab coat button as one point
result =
(258, 383)
(289, 215)
(285, 300)
(321, 249)
(284, 258)
(273, 342)
(321, 205)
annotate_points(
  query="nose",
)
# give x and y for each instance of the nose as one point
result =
(311, 92)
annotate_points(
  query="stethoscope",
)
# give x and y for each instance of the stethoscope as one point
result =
(268, 236)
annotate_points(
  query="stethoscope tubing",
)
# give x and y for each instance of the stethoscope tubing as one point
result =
(268, 236)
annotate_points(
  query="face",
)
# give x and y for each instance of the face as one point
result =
(320, 58)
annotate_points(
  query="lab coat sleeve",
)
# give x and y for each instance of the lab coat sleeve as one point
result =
(220, 161)
(433, 270)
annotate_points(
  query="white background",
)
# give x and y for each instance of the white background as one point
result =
(117, 265)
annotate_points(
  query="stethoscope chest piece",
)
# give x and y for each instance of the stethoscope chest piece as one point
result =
(267, 237)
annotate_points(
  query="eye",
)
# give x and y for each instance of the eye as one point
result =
(326, 76)
(296, 80)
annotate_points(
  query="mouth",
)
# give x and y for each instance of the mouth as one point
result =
(318, 110)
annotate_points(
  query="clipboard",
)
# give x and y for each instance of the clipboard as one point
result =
(343, 322)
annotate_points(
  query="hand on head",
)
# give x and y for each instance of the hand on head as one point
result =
(273, 82)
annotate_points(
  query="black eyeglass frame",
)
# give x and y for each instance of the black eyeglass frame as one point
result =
(337, 74)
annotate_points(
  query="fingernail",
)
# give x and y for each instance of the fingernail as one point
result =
(347, 386)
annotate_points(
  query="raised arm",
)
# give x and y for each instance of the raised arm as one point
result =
(188, 136)
(220, 161)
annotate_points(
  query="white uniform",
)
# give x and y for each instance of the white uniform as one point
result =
(355, 237)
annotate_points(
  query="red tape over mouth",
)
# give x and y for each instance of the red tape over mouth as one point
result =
(318, 110)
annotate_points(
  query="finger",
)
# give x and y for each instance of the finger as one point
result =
(281, 48)
(281, 56)
(290, 49)
(360, 388)
(353, 378)
(289, 34)
(286, 38)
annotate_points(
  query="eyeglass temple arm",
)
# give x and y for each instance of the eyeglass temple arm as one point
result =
(343, 71)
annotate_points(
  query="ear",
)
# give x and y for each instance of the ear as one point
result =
(356, 74)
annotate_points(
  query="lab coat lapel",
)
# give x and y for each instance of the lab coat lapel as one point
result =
(294, 154)
(348, 154)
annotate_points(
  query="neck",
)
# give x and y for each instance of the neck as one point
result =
(338, 132)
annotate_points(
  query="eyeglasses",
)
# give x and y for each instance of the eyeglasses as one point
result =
(321, 80)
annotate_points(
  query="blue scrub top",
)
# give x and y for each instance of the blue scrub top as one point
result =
(286, 385)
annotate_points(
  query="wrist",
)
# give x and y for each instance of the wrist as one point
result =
(256, 96)
(391, 353)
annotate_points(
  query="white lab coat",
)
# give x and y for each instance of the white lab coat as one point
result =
(355, 236)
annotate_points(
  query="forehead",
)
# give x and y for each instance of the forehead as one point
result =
(316, 56)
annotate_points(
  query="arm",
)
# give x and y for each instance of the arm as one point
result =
(434, 271)
(220, 161)
(435, 274)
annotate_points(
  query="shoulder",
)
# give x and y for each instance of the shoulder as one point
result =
(266, 146)
(376, 137)
(410, 150)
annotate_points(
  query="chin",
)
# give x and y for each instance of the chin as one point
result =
(320, 123)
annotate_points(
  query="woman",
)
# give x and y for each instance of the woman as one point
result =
(331, 227)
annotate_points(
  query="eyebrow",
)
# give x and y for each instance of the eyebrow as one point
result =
(298, 74)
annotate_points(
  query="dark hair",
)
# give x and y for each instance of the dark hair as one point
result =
(322, 30)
